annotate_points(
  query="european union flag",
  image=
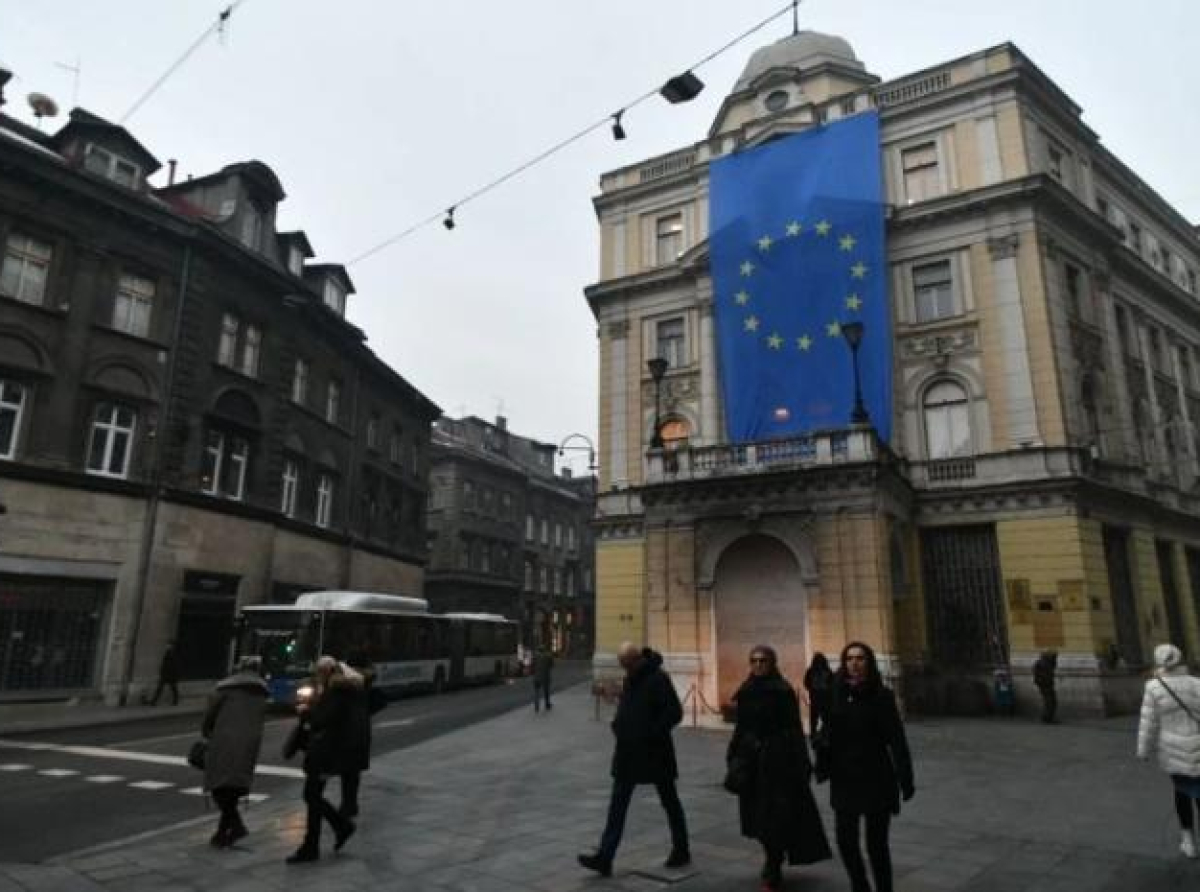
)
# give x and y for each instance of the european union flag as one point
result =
(796, 245)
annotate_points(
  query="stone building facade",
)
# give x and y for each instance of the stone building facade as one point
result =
(1039, 491)
(508, 535)
(188, 423)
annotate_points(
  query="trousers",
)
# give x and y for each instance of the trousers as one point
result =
(319, 809)
(618, 808)
(847, 824)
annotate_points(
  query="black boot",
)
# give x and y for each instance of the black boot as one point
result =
(303, 854)
(598, 863)
(678, 858)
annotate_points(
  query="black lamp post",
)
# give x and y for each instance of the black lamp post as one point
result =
(853, 333)
(658, 368)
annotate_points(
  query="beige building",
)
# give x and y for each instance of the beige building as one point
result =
(1040, 488)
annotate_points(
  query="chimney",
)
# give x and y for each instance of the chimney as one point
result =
(171, 162)
(566, 472)
(501, 423)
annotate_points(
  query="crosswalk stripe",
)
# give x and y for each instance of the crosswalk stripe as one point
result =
(258, 797)
(57, 772)
(193, 791)
(130, 756)
(13, 766)
(104, 778)
(151, 785)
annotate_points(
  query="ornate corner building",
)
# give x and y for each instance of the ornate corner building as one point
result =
(1040, 489)
(188, 423)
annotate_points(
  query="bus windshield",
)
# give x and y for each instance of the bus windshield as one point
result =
(286, 640)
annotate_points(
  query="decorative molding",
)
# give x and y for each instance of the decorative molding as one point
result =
(941, 344)
(618, 330)
(1004, 247)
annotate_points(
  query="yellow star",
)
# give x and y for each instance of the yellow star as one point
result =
(751, 323)
(823, 227)
(833, 329)
(775, 341)
(742, 297)
(793, 228)
(853, 302)
(804, 342)
(859, 270)
(847, 242)
(764, 243)
(747, 268)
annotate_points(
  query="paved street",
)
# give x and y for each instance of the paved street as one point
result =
(504, 805)
(92, 785)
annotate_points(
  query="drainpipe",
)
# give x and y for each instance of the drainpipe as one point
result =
(351, 476)
(150, 520)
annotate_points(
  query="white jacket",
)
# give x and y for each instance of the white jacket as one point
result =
(1166, 729)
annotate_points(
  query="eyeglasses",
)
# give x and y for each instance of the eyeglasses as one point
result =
(856, 657)
(759, 660)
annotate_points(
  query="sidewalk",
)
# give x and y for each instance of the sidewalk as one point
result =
(504, 806)
(31, 718)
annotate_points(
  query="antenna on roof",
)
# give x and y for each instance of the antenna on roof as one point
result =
(43, 106)
(75, 71)
(795, 17)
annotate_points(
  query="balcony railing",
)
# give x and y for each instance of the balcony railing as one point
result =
(823, 448)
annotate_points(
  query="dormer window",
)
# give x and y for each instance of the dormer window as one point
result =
(111, 166)
(252, 226)
(335, 297)
(295, 261)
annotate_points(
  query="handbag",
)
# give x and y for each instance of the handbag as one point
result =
(297, 739)
(737, 775)
(822, 752)
(198, 754)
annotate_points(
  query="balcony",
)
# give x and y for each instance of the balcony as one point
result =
(816, 450)
(997, 468)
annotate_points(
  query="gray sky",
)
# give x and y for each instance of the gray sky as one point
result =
(377, 114)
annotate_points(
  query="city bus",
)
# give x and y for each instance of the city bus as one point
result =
(410, 648)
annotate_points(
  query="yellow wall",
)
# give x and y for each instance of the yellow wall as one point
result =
(620, 592)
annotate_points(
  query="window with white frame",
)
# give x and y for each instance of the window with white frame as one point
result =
(227, 344)
(12, 409)
(324, 513)
(111, 166)
(668, 239)
(290, 488)
(226, 457)
(334, 297)
(26, 268)
(300, 382)
(947, 421)
(933, 291)
(570, 584)
(558, 535)
(545, 531)
(333, 401)
(251, 351)
(111, 442)
(252, 227)
(396, 447)
(529, 576)
(132, 304)
(922, 178)
(530, 528)
(544, 580)
(558, 581)
(669, 342)
(373, 432)
(571, 537)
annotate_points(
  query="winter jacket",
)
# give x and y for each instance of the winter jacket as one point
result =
(233, 724)
(1166, 729)
(777, 807)
(1043, 672)
(168, 668)
(543, 667)
(337, 727)
(649, 708)
(869, 762)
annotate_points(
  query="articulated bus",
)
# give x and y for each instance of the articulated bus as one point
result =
(410, 648)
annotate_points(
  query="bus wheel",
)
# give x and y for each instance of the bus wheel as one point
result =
(439, 680)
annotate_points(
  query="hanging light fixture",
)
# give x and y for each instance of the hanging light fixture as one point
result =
(682, 88)
(449, 221)
(618, 131)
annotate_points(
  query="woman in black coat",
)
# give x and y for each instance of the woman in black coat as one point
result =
(775, 803)
(870, 769)
(818, 683)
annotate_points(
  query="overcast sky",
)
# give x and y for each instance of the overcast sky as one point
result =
(377, 114)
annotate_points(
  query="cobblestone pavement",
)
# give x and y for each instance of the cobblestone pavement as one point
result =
(504, 805)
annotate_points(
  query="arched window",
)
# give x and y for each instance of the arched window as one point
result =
(947, 421)
(675, 433)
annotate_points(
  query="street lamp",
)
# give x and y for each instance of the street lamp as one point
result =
(658, 368)
(853, 333)
(590, 447)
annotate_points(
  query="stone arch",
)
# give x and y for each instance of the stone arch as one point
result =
(294, 444)
(126, 377)
(792, 532)
(22, 349)
(679, 411)
(238, 407)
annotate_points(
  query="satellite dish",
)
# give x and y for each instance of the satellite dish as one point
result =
(43, 106)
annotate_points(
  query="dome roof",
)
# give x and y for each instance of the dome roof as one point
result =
(801, 50)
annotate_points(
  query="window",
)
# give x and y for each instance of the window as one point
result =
(131, 308)
(396, 447)
(227, 345)
(545, 531)
(112, 440)
(674, 433)
(12, 407)
(570, 584)
(251, 351)
(324, 500)
(670, 342)
(776, 100)
(544, 580)
(373, 432)
(1054, 162)
(415, 455)
(558, 535)
(505, 505)
(1189, 277)
(291, 484)
(529, 576)
(1122, 321)
(300, 382)
(1185, 366)
(252, 227)
(921, 177)
(1071, 278)
(468, 494)
(558, 581)
(333, 402)
(224, 471)
(933, 288)
(295, 261)
(1135, 238)
(113, 167)
(571, 537)
(334, 297)
(947, 421)
(530, 528)
(668, 239)
(26, 268)
(1103, 208)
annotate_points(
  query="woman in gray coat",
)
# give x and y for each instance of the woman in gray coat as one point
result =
(233, 725)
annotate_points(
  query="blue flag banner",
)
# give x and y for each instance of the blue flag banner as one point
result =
(796, 246)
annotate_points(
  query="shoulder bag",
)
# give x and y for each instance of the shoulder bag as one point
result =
(198, 754)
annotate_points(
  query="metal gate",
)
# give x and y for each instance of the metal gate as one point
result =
(49, 632)
(961, 566)
(1120, 586)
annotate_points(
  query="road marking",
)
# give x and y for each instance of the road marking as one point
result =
(151, 785)
(104, 778)
(184, 736)
(397, 723)
(100, 752)
(57, 772)
(13, 766)
(193, 791)
(258, 797)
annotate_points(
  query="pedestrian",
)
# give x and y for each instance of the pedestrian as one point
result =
(543, 668)
(168, 675)
(327, 730)
(233, 727)
(644, 754)
(870, 769)
(818, 684)
(1170, 727)
(367, 701)
(1043, 677)
(769, 756)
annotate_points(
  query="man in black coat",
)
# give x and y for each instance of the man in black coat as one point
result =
(644, 754)
(1043, 678)
(168, 676)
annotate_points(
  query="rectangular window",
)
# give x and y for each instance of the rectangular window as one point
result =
(1055, 162)
(251, 351)
(12, 407)
(571, 538)
(544, 580)
(528, 576)
(922, 179)
(300, 382)
(291, 484)
(333, 402)
(933, 287)
(1185, 366)
(26, 268)
(1135, 238)
(324, 512)
(558, 581)
(1103, 208)
(131, 306)
(668, 239)
(558, 535)
(1189, 278)
(295, 261)
(468, 494)
(224, 470)
(111, 440)
(530, 528)
(252, 226)
(373, 432)
(1122, 321)
(227, 345)
(545, 531)
(112, 167)
(1071, 278)
(669, 340)
(334, 298)
(396, 448)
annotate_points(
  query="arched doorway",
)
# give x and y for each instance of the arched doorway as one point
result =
(759, 598)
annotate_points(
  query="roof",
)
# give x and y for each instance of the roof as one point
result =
(83, 121)
(804, 49)
(297, 238)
